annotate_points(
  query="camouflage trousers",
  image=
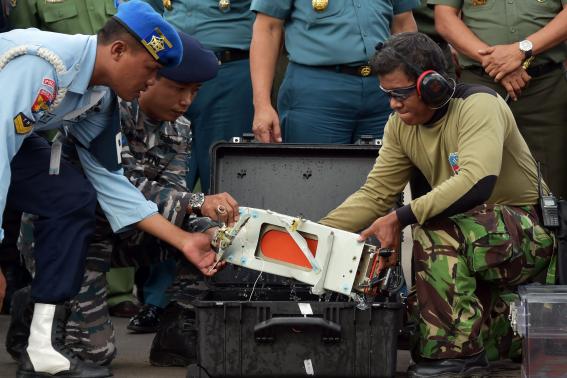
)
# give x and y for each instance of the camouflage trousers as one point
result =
(466, 270)
(89, 330)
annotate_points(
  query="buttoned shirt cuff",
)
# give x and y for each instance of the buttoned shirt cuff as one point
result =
(404, 6)
(406, 215)
(452, 3)
(270, 8)
(126, 221)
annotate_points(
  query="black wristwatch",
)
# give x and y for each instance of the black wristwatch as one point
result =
(196, 201)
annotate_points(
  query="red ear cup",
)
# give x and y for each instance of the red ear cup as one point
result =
(433, 89)
(420, 80)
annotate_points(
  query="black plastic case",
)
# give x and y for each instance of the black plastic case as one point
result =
(262, 327)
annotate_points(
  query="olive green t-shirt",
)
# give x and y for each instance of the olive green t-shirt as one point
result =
(498, 22)
(62, 16)
(476, 137)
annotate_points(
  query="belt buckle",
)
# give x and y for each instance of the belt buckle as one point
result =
(365, 70)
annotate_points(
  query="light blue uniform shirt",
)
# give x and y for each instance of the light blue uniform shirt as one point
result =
(214, 28)
(27, 76)
(346, 32)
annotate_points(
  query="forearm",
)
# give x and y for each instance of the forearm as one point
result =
(551, 34)
(403, 22)
(454, 31)
(162, 229)
(264, 52)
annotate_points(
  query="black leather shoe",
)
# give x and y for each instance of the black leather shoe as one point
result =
(176, 339)
(474, 366)
(147, 320)
(125, 309)
(20, 320)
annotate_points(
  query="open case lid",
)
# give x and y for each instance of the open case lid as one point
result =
(293, 179)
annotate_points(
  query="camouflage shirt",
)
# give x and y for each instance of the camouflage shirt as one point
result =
(155, 156)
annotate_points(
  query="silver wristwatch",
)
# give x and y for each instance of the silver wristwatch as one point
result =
(196, 201)
(526, 47)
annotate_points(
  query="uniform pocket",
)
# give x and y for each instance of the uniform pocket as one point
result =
(334, 8)
(53, 12)
(478, 5)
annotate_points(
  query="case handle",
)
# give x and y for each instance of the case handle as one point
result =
(331, 330)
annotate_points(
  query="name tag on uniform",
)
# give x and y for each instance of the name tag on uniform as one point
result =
(478, 2)
(54, 1)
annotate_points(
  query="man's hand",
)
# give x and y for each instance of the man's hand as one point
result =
(2, 288)
(387, 230)
(221, 207)
(266, 125)
(500, 60)
(197, 249)
(515, 81)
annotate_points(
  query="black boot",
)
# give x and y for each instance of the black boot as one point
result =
(46, 354)
(146, 320)
(474, 366)
(20, 320)
(176, 338)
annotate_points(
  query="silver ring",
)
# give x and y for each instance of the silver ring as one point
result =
(221, 209)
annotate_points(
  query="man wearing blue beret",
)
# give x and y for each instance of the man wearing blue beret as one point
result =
(52, 79)
(154, 158)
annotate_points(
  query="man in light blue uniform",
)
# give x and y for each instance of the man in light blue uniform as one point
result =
(223, 108)
(329, 93)
(51, 79)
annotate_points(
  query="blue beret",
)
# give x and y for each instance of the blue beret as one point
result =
(154, 33)
(197, 65)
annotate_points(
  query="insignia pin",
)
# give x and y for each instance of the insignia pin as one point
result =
(320, 5)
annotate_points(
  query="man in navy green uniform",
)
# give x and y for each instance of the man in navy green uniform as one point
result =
(224, 107)
(328, 94)
(62, 16)
(494, 38)
(478, 224)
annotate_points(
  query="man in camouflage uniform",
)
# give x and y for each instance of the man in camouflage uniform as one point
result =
(154, 158)
(477, 229)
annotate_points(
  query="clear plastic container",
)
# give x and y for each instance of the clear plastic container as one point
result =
(542, 322)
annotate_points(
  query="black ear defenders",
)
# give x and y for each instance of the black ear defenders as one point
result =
(432, 87)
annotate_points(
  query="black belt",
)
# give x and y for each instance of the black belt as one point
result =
(230, 55)
(535, 71)
(363, 71)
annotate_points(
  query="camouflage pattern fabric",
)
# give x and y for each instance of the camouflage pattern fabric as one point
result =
(500, 246)
(155, 158)
(89, 331)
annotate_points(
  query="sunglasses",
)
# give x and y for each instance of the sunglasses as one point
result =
(399, 94)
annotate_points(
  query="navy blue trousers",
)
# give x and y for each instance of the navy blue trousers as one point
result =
(222, 110)
(65, 204)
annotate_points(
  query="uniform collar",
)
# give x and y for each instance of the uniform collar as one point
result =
(83, 69)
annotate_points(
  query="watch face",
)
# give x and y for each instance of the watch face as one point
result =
(525, 45)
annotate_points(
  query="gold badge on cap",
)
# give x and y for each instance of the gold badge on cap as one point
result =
(224, 5)
(167, 4)
(157, 43)
(320, 5)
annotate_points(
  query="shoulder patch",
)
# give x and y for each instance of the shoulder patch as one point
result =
(22, 124)
(465, 90)
(42, 102)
